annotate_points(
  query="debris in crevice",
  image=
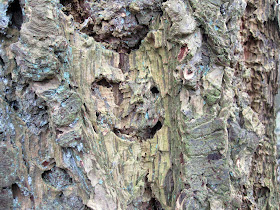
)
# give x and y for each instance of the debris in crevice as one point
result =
(34, 111)
(124, 62)
(57, 178)
(77, 8)
(104, 82)
(112, 89)
(154, 204)
(143, 109)
(260, 193)
(120, 26)
(143, 134)
(250, 8)
(71, 201)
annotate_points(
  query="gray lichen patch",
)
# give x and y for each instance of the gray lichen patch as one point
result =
(69, 139)
(6, 198)
(72, 201)
(67, 111)
(8, 169)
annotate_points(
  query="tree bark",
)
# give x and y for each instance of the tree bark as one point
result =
(145, 104)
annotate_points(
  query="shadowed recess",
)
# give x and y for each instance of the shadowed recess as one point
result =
(15, 11)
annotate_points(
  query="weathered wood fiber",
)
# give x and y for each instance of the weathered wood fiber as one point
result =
(145, 104)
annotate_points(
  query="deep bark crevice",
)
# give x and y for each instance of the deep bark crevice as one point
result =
(144, 134)
(16, 14)
(122, 31)
(16, 191)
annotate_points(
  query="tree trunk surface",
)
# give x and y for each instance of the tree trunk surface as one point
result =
(147, 104)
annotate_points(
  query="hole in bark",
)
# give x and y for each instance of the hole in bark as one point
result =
(2, 63)
(16, 191)
(154, 90)
(154, 204)
(65, 2)
(32, 198)
(14, 104)
(103, 82)
(58, 131)
(116, 131)
(17, 17)
(154, 129)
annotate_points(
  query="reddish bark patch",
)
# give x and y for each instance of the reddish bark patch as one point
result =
(45, 163)
(183, 52)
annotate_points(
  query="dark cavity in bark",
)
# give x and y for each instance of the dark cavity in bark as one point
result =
(15, 11)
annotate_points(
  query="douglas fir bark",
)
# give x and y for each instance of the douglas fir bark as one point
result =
(146, 104)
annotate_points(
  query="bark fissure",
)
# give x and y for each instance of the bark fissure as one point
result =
(138, 104)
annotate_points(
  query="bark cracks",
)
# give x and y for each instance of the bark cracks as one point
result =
(138, 104)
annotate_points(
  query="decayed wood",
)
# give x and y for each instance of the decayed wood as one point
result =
(138, 104)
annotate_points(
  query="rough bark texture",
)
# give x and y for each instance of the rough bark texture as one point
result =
(145, 104)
